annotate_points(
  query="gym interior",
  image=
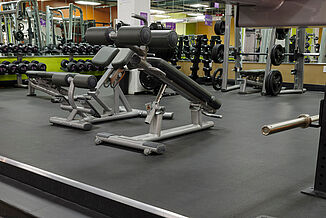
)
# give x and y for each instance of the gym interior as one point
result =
(163, 108)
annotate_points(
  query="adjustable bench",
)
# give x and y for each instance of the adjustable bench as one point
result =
(201, 102)
(115, 60)
(42, 81)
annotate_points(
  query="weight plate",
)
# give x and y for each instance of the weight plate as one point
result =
(19, 36)
(277, 55)
(219, 27)
(274, 83)
(149, 82)
(218, 53)
(217, 79)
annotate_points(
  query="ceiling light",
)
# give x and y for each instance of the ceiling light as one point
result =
(87, 3)
(195, 14)
(161, 16)
(198, 6)
(172, 20)
(157, 11)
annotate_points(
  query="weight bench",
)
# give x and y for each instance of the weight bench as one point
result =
(255, 78)
(115, 60)
(202, 102)
(42, 81)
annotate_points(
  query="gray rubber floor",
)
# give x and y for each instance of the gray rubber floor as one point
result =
(228, 171)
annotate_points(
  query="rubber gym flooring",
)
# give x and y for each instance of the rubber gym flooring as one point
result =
(230, 170)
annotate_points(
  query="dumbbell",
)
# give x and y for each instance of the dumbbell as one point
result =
(23, 48)
(40, 66)
(68, 66)
(21, 67)
(12, 68)
(15, 49)
(81, 49)
(73, 48)
(3, 69)
(96, 48)
(90, 66)
(10, 45)
(89, 49)
(34, 49)
(4, 48)
(80, 66)
(31, 66)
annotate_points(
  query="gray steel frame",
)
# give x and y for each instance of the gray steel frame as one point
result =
(15, 13)
(85, 112)
(147, 142)
(299, 64)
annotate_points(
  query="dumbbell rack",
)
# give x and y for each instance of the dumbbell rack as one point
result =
(206, 53)
(186, 47)
(196, 58)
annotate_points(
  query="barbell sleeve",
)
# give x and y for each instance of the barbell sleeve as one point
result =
(303, 121)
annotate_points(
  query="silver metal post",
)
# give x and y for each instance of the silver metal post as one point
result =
(269, 62)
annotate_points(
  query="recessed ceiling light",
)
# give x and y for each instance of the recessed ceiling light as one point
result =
(195, 14)
(157, 11)
(198, 6)
(87, 3)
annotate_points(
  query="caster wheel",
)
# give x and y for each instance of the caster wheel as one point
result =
(147, 152)
(98, 141)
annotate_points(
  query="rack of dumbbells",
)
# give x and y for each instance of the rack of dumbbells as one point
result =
(19, 68)
(206, 53)
(311, 46)
(195, 59)
(79, 66)
(186, 47)
(177, 53)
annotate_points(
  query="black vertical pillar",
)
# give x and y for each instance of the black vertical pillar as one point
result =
(319, 189)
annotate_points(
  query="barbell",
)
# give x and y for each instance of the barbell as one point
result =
(218, 53)
(277, 54)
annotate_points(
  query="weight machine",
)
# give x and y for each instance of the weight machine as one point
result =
(15, 14)
(73, 22)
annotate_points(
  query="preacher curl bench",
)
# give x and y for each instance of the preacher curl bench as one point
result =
(202, 102)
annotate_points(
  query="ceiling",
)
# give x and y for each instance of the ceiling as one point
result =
(176, 6)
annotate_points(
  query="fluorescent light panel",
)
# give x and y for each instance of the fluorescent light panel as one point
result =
(153, 11)
(198, 6)
(161, 16)
(195, 14)
(87, 3)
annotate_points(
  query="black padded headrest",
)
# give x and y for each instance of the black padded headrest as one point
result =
(105, 56)
(123, 58)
